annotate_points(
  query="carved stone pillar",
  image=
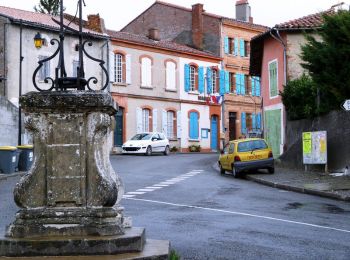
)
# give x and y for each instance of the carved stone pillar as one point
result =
(71, 190)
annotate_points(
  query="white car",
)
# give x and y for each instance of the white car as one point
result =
(147, 143)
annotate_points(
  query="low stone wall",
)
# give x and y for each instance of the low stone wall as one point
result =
(337, 125)
(8, 122)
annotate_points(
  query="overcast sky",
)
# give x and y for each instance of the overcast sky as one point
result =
(118, 13)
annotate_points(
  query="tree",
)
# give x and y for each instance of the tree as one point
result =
(48, 7)
(328, 60)
(299, 98)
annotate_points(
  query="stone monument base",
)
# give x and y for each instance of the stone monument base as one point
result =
(131, 245)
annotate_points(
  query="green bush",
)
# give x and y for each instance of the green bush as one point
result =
(194, 148)
(173, 255)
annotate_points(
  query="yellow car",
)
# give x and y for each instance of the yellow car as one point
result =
(246, 154)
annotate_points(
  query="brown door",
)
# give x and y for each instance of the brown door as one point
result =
(232, 125)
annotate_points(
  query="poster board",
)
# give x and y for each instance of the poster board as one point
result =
(315, 147)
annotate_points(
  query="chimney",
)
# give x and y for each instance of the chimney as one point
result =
(96, 23)
(243, 12)
(153, 34)
(197, 26)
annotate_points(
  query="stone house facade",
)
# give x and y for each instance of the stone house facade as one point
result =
(148, 83)
(276, 59)
(211, 33)
(17, 30)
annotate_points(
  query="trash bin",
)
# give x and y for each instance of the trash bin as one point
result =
(25, 157)
(8, 159)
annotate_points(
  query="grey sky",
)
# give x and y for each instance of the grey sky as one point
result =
(118, 13)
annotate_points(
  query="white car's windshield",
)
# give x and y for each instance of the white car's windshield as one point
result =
(143, 136)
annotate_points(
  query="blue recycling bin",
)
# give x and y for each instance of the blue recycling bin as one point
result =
(8, 159)
(25, 157)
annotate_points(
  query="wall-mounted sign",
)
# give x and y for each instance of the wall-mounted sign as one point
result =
(315, 147)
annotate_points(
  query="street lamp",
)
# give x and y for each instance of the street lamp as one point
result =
(61, 82)
(38, 40)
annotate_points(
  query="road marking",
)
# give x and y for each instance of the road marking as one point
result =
(163, 184)
(136, 193)
(243, 214)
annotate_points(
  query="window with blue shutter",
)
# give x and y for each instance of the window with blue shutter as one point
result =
(254, 117)
(194, 131)
(236, 46)
(243, 123)
(201, 80)
(243, 87)
(257, 87)
(209, 81)
(226, 45)
(222, 82)
(242, 48)
(227, 82)
(187, 77)
(258, 121)
(238, 82)
(253, 86)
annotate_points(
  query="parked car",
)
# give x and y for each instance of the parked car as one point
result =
(147, 143)
(246, 154)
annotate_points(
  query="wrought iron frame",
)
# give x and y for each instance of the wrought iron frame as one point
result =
(61, 82)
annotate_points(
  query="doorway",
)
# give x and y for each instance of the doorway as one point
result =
(214, 133)
(232, 125)
(118, 132)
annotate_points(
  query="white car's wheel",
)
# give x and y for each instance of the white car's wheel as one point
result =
(167, 150)
(149, 151)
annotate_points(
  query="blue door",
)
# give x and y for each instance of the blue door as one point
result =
(214, 133)
(118, 131)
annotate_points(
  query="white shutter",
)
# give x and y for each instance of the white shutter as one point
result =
(143, 73)
(128, 69)
(111, 66)
(178, 121)
(138, 120)
(170, 75)
(149, 73)
(164, 123)
(155, 118)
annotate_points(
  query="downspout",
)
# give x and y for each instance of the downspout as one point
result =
(5, 60)
(20, 85)
(280, 40)
(223, 130)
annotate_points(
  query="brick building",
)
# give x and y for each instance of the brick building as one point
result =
(212, 33)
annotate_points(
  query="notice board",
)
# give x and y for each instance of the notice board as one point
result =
(315, 147)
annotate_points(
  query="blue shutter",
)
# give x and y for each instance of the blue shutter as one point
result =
(242, 48)
(253, 85)
(226, 43)
(257, 88)
(243, 123)
(254, 123)
(238, 80)
(242, 84)
(194, 125)
(201, 80)
(187, 77)
(227, 82)
(222, 82)
(258, 121)
(236, 46)
(209, 81)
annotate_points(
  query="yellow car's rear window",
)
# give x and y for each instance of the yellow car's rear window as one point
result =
(251, 145)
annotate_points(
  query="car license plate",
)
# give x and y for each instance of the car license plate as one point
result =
(254, 157)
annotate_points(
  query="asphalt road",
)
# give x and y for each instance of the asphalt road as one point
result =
(205, 215)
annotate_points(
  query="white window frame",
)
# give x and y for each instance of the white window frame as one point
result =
(170, 75)
(145, 119)
(118, 68)
(170, 117)
(214, 86)
(193, 73)
(268, 70)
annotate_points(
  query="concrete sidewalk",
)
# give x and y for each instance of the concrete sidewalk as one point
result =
(315, 183)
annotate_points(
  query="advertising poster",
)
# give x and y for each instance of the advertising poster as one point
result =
(315, 147)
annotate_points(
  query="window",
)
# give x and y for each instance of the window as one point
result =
(146, 72)
(45, 69)
(249, 122)
(193, 78)
(75, 68)
(241, 84)
(170, 75)
(146, 120)
(215, 81)
(246, 48)
(273, 78)
(119, 68)
(170, 124)
(194, 126)
(232, 82)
